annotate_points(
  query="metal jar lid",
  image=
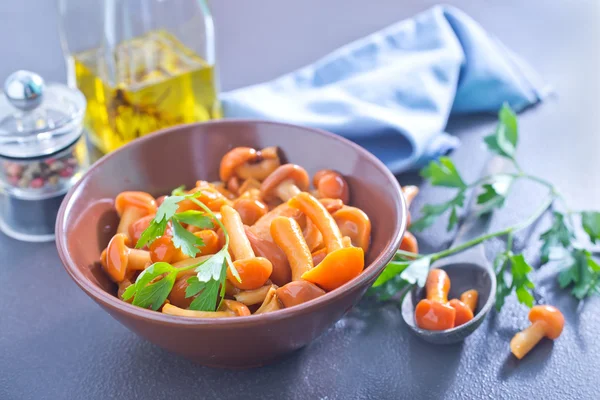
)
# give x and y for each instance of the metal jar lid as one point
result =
(36, 119)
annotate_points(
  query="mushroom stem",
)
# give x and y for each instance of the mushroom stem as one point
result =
(286, 190)
(271, 303)
(138, 259)
(251, 297)
(317, 213)
(526, 340)
(129, 216)
(180, 312)
(288, 236)
(470, 298)
(238, 241)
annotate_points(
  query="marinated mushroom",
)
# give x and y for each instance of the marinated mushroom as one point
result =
(282, 273)
(254, 296)
(332, 205)
(341, 264)
(250, 210)
(131, 206)
(138, 227)
(180, 312)
(245, 163)
(262, 227)
(288, 236)
(546, 321)
(434, 313)
(298, 292)
(270, 303)
(470, 298)
(163, 250)
(463, 313)
(120, 258)
(409, 243)
(254, 271)
(331, 184)
(284, 183)
(355, 224)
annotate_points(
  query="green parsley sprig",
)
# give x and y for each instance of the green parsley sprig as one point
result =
(579, 270)
(153, 285)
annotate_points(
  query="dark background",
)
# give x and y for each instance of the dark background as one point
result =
(55, 343)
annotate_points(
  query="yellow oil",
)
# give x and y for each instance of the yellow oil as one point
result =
(155, 82)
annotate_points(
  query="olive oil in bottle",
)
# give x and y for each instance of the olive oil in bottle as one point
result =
(150, 82)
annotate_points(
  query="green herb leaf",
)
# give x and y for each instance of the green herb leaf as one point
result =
(582, 272)
(207, 299)
(194, 286)
(185, 240)
(521, 282)
(211, 268)
(129, 292)
(391, 270)
(504, 140)
(503, 289)
(557, 236)
(178, 191)
(590, 220)
(430, 212)
(417, 271)
(150, 234)
(443, 173)
(493, 195)
(168, 208)
(153, 295)
(195, 218)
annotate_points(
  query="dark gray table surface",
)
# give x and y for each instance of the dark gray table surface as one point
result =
(56, 343)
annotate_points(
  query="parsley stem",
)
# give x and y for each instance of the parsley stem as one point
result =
(408, 254)
(506, 231)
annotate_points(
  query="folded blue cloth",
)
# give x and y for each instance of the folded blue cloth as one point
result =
(392, 92)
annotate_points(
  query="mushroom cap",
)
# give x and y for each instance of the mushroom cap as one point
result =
(239, 309)
(331, 205)
(281, 273)
(233, 159)
(285, 172)
(434, 316)
(298, 292)
(254, 273)
(353, 222)
(250, 210)
(331, 184)
(553, 318)
(141, 200)
(463, 312)
(117, 257)
(337, 268)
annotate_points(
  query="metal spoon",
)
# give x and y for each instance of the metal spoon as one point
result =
(467, 270)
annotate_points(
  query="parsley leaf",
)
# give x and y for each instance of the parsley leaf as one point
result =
(195, 218)
(150, 234)
(443, 173)
(391, 270)
(508, 264)
(168, 208)
(582, 271)
(494, 194)
(557, 236)
(590, 220)
(185, 240)
(503, 289)
(430, 212)
(194, 286)
(147, 291)
(207, 299)
(211, 268)
(521, 282)
(417, 271)
(504, 139)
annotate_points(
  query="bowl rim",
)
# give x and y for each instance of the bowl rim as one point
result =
(103, 298)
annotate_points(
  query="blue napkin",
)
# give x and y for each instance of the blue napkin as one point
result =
(392, 91)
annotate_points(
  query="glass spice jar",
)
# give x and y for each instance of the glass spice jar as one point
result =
(42, 153)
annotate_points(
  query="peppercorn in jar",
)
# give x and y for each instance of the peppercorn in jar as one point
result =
(42, 153)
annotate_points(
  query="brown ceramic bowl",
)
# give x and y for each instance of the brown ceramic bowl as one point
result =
(162, 161)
